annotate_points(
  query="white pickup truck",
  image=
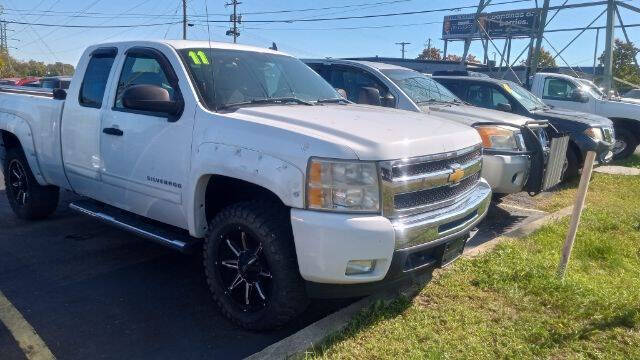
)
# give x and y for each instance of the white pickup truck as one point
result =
(293, 191)
(564, 91)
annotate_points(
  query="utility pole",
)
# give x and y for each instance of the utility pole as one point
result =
(235, 19)
(184, 19)
(4, 46)
(539, 36)
(403, 44)
(608, 45)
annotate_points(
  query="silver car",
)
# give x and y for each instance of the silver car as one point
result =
(518, 153)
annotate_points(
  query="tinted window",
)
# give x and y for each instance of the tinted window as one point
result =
(95, 80)
(141, 70)
(486, 96)
(557, 89)
(353, 81)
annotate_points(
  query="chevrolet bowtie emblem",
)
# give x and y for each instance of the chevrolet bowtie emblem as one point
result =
(457, 174)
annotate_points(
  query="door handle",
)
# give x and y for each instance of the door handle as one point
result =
(113, 131)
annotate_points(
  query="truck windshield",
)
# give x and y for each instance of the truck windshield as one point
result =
(419, 87)
(523, 96)
(227, 78)
(590, 86)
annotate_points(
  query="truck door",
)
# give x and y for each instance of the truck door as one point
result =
(147, 155)
(81, 125)
(561, 93)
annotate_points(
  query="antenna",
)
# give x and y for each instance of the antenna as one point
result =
(403, 44)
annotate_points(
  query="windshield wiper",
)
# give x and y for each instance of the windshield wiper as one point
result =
(332, 101)
(282, 100)
(434, 101)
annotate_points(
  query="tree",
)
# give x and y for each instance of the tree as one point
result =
(430, 54)
(546, 60)
(453, 57)
(623, 65)
(473, 59)
(12, 67)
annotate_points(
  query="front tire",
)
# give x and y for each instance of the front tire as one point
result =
(28, 199)
(625, 145)
(251, 266)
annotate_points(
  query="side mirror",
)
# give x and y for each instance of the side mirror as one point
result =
(150, 98)
(342, 92)
(59, 94)
(389, 101)
(504, 107)
(579, 96)
(369, 96)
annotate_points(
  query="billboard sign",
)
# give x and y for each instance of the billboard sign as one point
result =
(499, 24)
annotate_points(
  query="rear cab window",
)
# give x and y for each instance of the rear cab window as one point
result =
(96, 77)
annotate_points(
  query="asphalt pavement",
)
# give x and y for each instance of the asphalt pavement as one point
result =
(90, 291)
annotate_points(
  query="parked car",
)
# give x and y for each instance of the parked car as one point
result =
(633, 94)
(515, 148)
(293, 191)
(567, 92)
(587, 132)
(29, 81)
(55, 82)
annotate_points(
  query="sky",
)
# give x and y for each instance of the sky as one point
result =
(335, 38)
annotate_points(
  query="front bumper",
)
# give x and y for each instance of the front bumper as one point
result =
(326, 242)
(603, 149)
(507, 174)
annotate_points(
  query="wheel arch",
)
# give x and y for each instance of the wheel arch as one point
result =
(16, 132)
(631, 124)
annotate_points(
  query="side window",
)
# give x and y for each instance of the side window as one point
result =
(456, 88)
(95, 80)
(353, 81)
(141, 70)
(480, 95)
(498, 99)
(557, 89)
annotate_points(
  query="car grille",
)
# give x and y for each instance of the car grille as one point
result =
(416, 185)
(434, 195)
(608, 134)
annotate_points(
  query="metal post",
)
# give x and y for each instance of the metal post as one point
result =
(540, 33)
(509, 51)
(444, 54)
(608, 46)
(595, 53)
(184, 19)
(485, 46)
(467, 42)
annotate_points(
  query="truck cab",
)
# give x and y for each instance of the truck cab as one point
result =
(567, 92)
(249, 156)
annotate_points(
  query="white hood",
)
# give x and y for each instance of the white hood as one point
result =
(373, 133)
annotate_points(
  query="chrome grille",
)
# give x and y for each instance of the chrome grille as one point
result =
(434, 195)
(608, 134)
(416, 185)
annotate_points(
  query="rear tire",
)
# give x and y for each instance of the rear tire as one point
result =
(28, 199)
(626, 143)
(251, 268)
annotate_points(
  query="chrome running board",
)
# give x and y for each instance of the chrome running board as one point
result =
(151, 230)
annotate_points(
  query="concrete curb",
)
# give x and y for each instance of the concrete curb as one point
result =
(295, 345)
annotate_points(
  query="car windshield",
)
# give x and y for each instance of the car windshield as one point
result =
(227, 78)
(523, 96)
(419, 87)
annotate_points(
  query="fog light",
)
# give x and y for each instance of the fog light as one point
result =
(359, 267)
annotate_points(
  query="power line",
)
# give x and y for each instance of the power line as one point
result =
(92, 26)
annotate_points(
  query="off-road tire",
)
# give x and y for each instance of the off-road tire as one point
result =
(40, 201)
(630, 140)
(269, 224)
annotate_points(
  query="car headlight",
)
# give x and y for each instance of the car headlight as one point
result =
(339, 185)
(501, 138)
(594, 133)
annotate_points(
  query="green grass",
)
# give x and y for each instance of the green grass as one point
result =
(631, 161)
(510, 304)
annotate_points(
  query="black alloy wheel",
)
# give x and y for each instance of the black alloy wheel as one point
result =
(17, 180)
(243, 270)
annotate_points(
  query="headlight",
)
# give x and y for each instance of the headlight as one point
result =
(594, 133)
(338, 185)
(501, 138)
